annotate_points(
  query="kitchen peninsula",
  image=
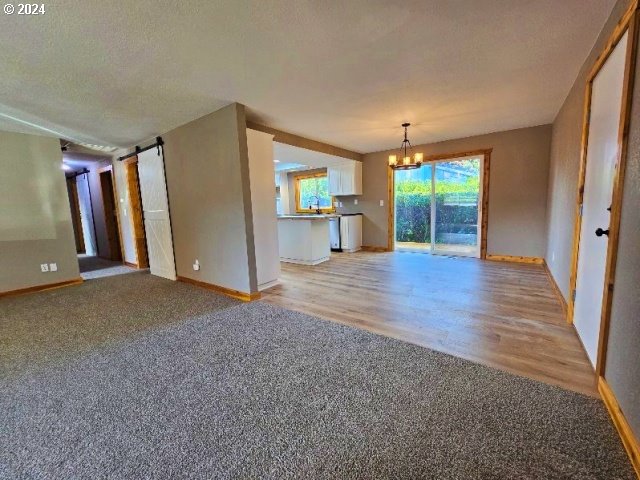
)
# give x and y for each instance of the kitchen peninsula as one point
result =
(304, 238)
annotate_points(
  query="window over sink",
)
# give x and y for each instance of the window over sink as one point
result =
(312, 192)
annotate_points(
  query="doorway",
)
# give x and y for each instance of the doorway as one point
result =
(110, 215)
(438, 207)
(607, 109)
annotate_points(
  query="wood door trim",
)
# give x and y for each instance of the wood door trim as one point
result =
(628, 23)
(136, 217)
(484, 207)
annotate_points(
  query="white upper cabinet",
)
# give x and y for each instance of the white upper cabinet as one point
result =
(345, 178)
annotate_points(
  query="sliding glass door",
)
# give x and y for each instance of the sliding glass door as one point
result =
(413, 192)
(437, 207)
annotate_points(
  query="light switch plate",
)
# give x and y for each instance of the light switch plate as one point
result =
(53, 267)
(382, 203)
(44, 267)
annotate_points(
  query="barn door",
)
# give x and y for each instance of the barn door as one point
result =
(155, 205)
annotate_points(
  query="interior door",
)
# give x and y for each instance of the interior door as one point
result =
(602, 155)
(86, 214)
(155, 205)
(110, 215)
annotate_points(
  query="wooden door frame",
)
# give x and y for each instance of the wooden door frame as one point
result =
(109, 169)
(136, 217)
(628, 22)
(76, 217)
(484, 207)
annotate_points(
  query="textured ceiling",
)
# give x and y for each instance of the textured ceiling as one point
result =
(344, 72)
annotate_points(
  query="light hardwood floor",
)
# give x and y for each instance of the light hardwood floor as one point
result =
(503, 315)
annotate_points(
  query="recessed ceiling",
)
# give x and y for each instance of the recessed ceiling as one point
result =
(346, 73)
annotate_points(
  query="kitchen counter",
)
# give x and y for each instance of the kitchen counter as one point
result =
(308, 216)
(304, 239)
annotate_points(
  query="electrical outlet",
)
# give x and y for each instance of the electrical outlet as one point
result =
(53, 267)
(355, 201)
(382, 203)
(340, 203)
(196, 265)
(44, 267)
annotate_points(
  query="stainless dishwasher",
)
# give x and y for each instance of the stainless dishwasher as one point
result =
(334, 234)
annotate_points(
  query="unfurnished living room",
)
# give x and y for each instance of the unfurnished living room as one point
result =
(320, 240)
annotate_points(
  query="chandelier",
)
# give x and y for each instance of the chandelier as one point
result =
(406, 160)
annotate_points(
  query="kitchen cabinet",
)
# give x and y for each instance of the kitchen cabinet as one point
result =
(351, 233)
(345, 178)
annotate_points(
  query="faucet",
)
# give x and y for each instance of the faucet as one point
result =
(318, 209)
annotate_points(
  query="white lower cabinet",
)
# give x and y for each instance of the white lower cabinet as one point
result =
(351, 233)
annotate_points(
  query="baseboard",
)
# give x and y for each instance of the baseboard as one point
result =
(245, 297)
(41, 288)
(132, 265)
(556, 288)
(629, 440)
(369, 248)
(515, 259)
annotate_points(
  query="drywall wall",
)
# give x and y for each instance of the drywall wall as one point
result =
(210, 199)
(623, 353)
(564, 165)
(35, 216)
(517, 189)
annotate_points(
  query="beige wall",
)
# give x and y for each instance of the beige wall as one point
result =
(623, 352)
(35, 216)
(517, 190)
(209, 199)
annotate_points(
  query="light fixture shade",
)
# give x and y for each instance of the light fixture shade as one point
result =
(393, 160)
(418, 157)
(406, 160)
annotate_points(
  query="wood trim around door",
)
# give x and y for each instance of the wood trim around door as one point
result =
(484, 206)
(629, 22)
(136, 217)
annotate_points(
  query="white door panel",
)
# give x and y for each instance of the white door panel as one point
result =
(155, 206)
(602, 155)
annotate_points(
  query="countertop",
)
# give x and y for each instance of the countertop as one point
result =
(308, 216)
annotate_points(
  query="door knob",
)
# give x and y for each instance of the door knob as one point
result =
(600, 232)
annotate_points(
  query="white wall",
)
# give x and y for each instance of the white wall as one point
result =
(263, 191)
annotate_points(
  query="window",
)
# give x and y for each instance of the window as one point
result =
(311, 191)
